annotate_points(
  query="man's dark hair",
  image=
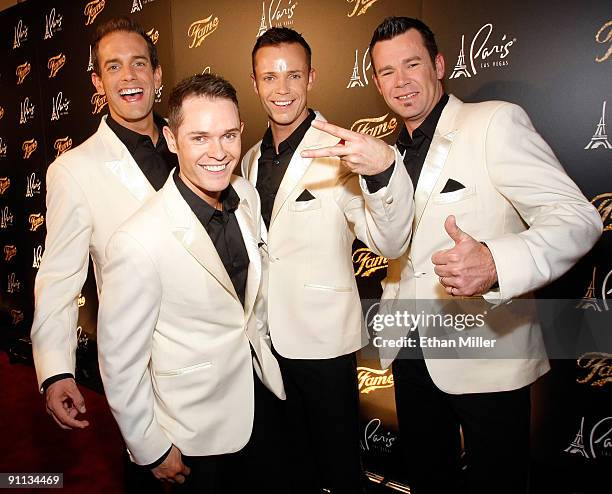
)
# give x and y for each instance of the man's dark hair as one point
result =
(277, 36)
(204, 85)
(394, 26)
(121, 24)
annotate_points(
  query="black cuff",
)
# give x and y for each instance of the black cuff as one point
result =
(159, 461)
(58, 377)
(380, 180)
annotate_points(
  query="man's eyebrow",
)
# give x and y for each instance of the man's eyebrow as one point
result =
(204, 133)
(403, 61)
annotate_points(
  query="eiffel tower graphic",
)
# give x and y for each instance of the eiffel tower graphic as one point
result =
(263, 27)
(460, 67)
(90, 64)
(577, 445)
(136, 6)
(599, 137)
(589, 301)
(355, 78)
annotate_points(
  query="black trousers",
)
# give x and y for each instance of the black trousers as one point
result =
(322, 416)
(258, 467)
(495, 430)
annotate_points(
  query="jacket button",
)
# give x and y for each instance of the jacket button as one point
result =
(389, 200)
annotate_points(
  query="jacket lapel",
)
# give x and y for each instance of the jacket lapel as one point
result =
(246, 222)
(189, 231)
(313, 138)
(436, 157)
(121, 164)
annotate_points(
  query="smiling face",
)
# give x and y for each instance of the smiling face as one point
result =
(406, 77)
(207, 143)
(282, 80)
(127, 78)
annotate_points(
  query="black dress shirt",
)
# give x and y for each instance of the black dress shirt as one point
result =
(272, 165)
(224, 231)
(155, 161)
(414, 149)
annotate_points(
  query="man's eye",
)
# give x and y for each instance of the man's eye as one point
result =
(229, 136)
(295, 76)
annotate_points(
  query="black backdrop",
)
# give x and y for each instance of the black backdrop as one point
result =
(554, 58)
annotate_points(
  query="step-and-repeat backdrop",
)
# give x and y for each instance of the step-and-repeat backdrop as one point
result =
(553, 58)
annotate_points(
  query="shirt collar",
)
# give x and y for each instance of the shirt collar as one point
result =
(427, 128)
(204, 211)
(132, 140)
(293, 141)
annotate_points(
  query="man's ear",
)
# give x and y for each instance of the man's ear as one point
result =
(157, 77)
(170, 139)
(376, 83)
(241, 127)
(312, 77)
(440, 65)
(96, 80)
(254, 84)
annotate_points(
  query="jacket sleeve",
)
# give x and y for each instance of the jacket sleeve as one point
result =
(127, 317)
(562, 224)
(383, 219)
(61, 275)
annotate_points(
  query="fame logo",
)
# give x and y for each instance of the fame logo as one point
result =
(6, 218)
(22, 72)
(5, 183)
(90, 66)
(3, 149)
(32, 185)
(153, 34)
(62, 145)
(202, 29)
(359, 77)
(99, 102)
(603, 203)
(81, 300)
(36, 220)
(1, 112)
(375, 127)
(16, 316)
(28, 147)
(138, 5)
(278, 13)
(21, 34)
(60, 106)
(375, 438)
(598, 367)
(361, 6)
(158, 94)
(37, 257)
(372, 379)
(483, 54)
(10, 251)
(53, 24)
(55, 64)
(92, 10)
(366, 262)
(604, 35)
(27, 111)
(13, 285)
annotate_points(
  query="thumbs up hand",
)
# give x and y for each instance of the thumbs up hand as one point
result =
(467, 268)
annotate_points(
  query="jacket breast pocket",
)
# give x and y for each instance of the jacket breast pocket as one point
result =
(301, 206)
(455, 196)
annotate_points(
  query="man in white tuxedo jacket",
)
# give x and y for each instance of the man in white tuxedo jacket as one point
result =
(182, 335)
(496, 218)
(91, 190)
(312, 210)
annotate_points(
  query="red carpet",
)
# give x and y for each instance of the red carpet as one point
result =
(90, 459)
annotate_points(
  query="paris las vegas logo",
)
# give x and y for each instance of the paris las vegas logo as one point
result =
(37, 256)
(6, 218)
(3, 148)
(485, 51)
(92, 10)
(201, 29)
(21, 34)
(54, 64)
(600, 137)
(13, 285)
(604, 35)
(53, 23)
(138, 5)
(359, 77)
(33, 184)
(594, 443)
(59, 106)
(276, 13)
(26, 112)
(360, 7)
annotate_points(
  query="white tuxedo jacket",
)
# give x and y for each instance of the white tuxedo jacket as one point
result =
(314, 310)
(519, 201)
(91, 190)
(174, 340)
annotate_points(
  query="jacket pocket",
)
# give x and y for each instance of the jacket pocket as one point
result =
(300, 206)
(183, 370)
(330, 288)
(455, 196)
